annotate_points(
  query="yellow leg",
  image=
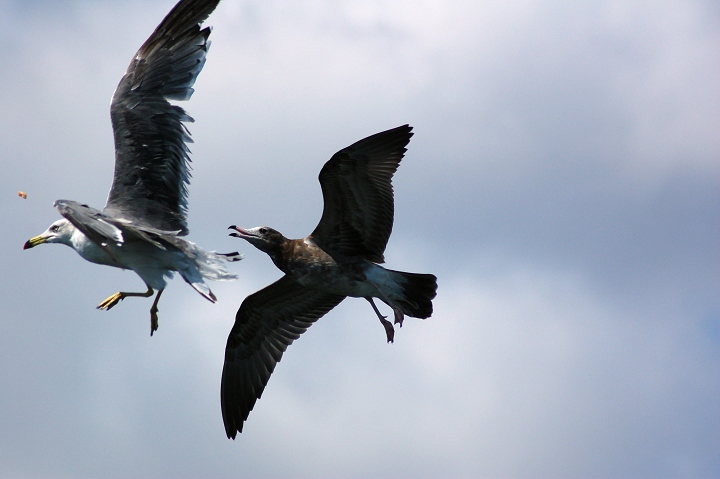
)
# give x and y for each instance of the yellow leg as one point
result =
(119, 296)
(153, 313)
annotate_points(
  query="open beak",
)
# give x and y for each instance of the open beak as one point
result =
(32, 242)
(240, 233)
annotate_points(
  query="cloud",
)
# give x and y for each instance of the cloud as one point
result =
(562, 185)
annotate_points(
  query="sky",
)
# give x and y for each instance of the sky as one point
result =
(563, 184)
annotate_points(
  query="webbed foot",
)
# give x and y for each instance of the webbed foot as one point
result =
(389, 330)
(399, 316)
(111, 301)
(153, 313)
(153, 321)
(119, 296)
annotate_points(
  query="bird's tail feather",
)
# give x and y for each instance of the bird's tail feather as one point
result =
(202, 265)
(210, 265)
(202, 288)
(417, 293)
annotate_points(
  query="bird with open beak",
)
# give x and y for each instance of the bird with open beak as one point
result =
(340, 258)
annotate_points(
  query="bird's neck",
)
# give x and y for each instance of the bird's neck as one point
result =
(298, 251)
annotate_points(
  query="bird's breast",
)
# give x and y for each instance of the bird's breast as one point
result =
(90, 251)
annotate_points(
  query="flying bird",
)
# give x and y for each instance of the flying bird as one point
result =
(145, 217)
(339, 258)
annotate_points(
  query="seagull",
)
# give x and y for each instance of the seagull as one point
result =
(339, 258)
(145, 217)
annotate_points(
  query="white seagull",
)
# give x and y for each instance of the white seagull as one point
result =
(142, 224)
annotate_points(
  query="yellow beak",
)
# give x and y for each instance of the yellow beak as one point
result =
(34, 241)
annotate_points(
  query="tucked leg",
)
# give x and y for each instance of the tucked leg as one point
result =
(153, 313)
(399, 316)
(119, 296)
(389, 330)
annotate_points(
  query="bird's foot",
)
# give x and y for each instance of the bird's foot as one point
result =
(111, 301)
(389, 330)
(153, 320)
(154, 311)
(399, 316)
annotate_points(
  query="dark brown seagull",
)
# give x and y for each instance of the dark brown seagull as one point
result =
(339, 259)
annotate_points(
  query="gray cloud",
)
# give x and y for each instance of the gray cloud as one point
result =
(562, 184)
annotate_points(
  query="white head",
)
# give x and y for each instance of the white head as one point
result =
(59, 232)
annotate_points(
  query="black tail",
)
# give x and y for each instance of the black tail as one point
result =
(418, 291)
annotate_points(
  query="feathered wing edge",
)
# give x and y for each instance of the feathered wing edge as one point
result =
(358, 199)
(267, 322)
(151, 153)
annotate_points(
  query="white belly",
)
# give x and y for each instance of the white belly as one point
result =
(151, 263)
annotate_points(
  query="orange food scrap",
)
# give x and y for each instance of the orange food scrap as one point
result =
(22, 195)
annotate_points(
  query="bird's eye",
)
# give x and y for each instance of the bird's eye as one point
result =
(263, 231)
(54, 228)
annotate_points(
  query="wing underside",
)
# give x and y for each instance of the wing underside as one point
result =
(267, 322)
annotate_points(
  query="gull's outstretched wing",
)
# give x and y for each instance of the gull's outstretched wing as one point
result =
(151, 155)
(357, 190)
(265, 325)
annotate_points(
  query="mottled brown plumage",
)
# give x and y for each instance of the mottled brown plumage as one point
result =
(338, 259)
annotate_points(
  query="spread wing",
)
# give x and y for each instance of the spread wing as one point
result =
(265, 325)
(357, 191)
(151, 155)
